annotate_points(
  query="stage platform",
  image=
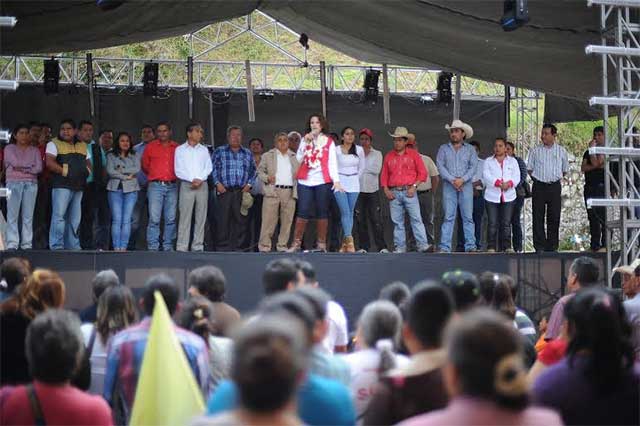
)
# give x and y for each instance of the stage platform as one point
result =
(352, 279)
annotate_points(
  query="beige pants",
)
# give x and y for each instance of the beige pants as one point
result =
(282, 207)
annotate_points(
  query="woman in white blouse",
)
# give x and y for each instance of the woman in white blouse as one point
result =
(501, 175)
(351, 164)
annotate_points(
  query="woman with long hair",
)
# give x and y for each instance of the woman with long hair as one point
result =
(350, 166)
(597, 382)
(317, 177)
(123, 165)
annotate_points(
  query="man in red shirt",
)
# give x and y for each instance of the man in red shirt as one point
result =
(162, 192)
(402, 171)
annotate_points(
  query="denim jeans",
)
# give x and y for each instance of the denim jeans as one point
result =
(121, 205)
(478, 214)
(163, 199)
(398, 206)
(23, 197)
(499, 215)
(66, 213)
(347, 204)
(451, 199)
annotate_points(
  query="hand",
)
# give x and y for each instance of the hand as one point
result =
(504, 186)
(131, 177)
(271, 180)
(337, 187)
(246, 188)
(389, 194)
(220, 188)
(308, 137)
(411, 191)
(457, 183)
(592, 143)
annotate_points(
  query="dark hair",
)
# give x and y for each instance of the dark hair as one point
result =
(586, 270)
(167, 288)
(636, 271)
(486, 352)
(54, 346)
(352, 149)
(502, 300)
(294, 305)
(196, 315)
(317, 298)
(83, 122)
(116, 311)
(68, 121)
(464, 287)
(45, 124)
(396, 292)
(103, 131)
(509, 143)
(33, 123)
(428, 311)
(16, 129)
(278, 274)
(13, 272)
(324, 123)
(476, 143)
(147, 126)
(257, 139)
(598, 325)
(486, 283)
(554, 129)
(116, 150)
(210, 282)
(379, 326)
(103, 280)
(598, 129)
(307, 270)
(192, 125)
(163, 123)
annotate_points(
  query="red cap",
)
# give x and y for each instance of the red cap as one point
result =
(367, 132)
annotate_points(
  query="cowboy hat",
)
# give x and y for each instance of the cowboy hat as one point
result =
(400, 132)
(458, 124)
(411, 139)
(246, 203)
(627, 269)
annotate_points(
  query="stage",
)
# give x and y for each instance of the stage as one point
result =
(352, 279)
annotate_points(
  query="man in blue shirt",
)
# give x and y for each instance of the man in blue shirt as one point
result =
(140, 214)
(234, 173)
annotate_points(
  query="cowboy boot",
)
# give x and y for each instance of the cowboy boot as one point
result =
(349, 245)
(298, 233)
(321, 231)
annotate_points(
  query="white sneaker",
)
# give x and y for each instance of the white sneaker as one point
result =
(384, 250)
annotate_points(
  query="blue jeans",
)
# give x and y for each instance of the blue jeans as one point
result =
(23, 197)
(163, 199)
(478, 214)
(347, 204)
(451, 199)
(398, 206)
(65, 219)
(121, 205)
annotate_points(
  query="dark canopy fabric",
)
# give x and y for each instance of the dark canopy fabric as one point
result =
(547, 54)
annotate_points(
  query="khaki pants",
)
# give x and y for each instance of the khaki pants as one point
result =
(281, 207)
(187, 200)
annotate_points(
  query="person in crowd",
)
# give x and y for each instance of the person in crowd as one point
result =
(42, 211)
(418, 386)
(402, 171)
(95, 200)
(597, 382)
(68, 163)
(593, 169)
(395, 292)
(54, 348)
(317, 177)
(234, 174)
(123, 165)
(377, 339)
(334, 237)
(197, 316)
(627, 278)
(116, 311)
(281, 275)
(158, 164)
(43, 290)
(13, 272)
(34, 133)
(140, 215)
(368, 214)
(457, 163)
(126, 348)
(548, 163)
(269, 360)
(320, 400)
(100, 283)
(21, 163)
(522, 191)
(465, 289)
(478, 204)
(193, 167)
(426, 192)
(501, 174)
(632, 306)
(254, 217)
(277, 172)
(351, 165)
(209, 282)
(294, 140)
(485, 377)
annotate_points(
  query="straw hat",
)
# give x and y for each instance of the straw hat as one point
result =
(247, 202)
(458, 124)
(627, 269)
(400, 132)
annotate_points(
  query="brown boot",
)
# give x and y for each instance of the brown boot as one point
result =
(343, 247)
(298, 233)
(321, 231)
(349, 245)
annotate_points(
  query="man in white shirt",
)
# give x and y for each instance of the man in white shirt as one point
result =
(478, 204)
(192, 166)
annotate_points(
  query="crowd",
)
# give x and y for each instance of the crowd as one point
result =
(455, 350)
(69, 191)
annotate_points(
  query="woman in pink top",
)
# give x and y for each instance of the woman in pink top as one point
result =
(22, 163)
(485, 376)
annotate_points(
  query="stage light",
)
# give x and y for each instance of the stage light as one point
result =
(150, 79)
(8, 85)
(516, 14)
(371, 85)
(266, 95)
(5, 135)
(51, 76)
(425, 99)
(444, 87)
(304, 40)
(8, 21)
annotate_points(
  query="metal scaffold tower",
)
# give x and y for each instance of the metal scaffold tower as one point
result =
(620, 99)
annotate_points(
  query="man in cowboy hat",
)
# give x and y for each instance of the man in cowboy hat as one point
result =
(402, 171)
(457, 162)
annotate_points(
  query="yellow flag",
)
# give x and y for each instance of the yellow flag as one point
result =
(167, 392)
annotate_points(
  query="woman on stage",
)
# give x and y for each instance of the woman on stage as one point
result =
(317, 176)
(350, 166)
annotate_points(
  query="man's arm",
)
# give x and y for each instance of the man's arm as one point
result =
(54, 167)
(373, 163)
(472, 166)
(442, 166)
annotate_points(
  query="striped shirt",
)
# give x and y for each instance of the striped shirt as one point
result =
(461, 163)
(548, 164)
(233, 168)
(525, 326)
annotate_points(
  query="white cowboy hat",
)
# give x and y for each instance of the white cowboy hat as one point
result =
(627, 269)
(400, 132)
(458, 124)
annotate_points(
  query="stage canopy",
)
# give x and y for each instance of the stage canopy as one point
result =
(465, 36)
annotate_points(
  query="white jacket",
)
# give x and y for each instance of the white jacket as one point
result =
(493, 172)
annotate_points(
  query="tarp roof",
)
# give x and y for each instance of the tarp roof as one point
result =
(547, 54)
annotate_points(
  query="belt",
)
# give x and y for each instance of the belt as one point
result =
(546, 183)
(422, 192)
(399, 188)
(344, 174)
(233, 188)
(164, 182)
(284, 187)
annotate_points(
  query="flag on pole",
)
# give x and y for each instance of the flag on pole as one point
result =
(167, 392)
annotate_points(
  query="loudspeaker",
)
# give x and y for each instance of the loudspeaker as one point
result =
(444, 87)
(150, 79)
(51, 76)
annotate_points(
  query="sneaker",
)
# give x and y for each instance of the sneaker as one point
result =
(427, 249)
(362, 251)
(510, 251)
(491, 250)
(384, 250)
(473, 250)
(400, 251)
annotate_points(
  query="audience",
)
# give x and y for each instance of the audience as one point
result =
(102, 281)
(632, 308)
(13, 272)
(281, 275)
(465, 289)
(396, 292)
